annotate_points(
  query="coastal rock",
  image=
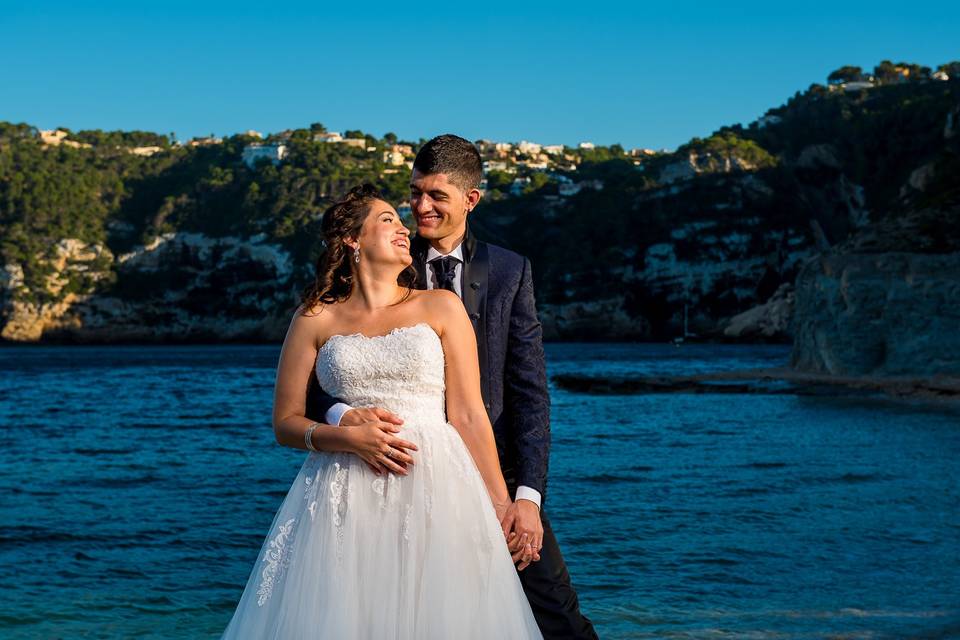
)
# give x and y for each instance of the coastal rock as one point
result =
(890, 313)
(74, 269)
(768, 320)
(26, 322)
(725, 266)
(179, 287)
(920, 178)
(606, 319)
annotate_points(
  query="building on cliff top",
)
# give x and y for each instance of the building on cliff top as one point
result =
(255, 152)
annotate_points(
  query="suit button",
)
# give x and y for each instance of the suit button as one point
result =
(474, 316)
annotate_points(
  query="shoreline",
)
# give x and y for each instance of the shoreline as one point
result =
(252, 342)
(761, 381)
(774, 380)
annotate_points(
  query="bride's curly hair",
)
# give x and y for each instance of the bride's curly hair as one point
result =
(342, 221)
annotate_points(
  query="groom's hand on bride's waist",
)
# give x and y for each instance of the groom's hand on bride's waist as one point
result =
(356, 417)
(523, 531)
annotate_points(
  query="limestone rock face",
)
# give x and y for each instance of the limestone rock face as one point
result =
(818, 155)
(920, 178)
(180, 287)
(768, 320)
(595, 320)
(695, 164)
(74, 268)
(890, 313)
(950, 126)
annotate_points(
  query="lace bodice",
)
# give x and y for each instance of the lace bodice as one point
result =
(401, 371)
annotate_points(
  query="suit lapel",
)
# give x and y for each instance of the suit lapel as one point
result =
(476, 270)
(418, 250)
(476, 277)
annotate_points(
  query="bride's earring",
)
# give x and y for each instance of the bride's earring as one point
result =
(356, 255)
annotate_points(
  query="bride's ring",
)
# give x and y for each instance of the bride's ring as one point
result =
(389, 452)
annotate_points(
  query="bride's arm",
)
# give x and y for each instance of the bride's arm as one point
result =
(297, 357)
(290, 424)
(465, 409)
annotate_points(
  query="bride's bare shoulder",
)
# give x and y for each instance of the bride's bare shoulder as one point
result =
(314, 311)
(315, 320)
(438, 300)
(442, 307)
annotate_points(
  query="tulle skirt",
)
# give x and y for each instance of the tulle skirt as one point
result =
(354, 555)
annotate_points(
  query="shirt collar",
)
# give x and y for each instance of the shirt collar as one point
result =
(456, 253)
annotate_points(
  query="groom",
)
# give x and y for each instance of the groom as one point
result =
(497, 290)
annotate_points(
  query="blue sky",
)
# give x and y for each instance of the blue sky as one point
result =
(641, 74)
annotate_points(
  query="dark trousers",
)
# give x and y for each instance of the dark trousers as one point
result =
(551, 596)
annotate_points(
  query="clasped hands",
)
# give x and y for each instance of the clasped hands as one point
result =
(523, 531)
(374, 440)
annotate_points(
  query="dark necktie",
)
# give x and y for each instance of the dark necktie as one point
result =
(445, 270)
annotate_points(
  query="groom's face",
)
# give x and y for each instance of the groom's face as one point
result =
(438, 205)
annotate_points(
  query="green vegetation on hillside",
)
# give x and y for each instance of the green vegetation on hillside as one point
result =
(585, 220)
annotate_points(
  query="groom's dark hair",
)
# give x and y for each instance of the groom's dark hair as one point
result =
(454, 156)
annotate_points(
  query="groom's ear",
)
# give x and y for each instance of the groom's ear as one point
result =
(473, 198)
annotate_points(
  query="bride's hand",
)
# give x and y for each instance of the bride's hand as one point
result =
(376, 444)
(524, 531)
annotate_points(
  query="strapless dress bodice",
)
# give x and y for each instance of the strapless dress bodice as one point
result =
(401, 371)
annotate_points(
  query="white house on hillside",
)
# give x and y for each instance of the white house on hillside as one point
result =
(857, 86)
(393, 158)
(56, 137)
(529, 148)
(273, 152)
(495, 165)
(144, 151)
(327, 136)
(519, 184)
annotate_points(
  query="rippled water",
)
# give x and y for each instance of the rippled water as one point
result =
(138, 484)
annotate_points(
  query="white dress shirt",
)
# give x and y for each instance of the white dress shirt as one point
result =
(433, 254)
(335, 413)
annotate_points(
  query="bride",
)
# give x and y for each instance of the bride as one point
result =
(385, 533)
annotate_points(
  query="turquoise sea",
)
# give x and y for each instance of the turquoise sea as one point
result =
(138, 484)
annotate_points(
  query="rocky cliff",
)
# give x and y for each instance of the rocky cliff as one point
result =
(180, 287)
(879, 314)
(887, 300)
(190, 243)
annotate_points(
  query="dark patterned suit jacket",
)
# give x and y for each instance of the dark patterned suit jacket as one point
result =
(497, 287)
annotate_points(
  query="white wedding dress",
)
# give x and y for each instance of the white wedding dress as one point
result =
(353, 555)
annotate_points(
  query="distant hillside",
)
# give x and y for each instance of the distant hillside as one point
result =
(724, 222)
(109, 236)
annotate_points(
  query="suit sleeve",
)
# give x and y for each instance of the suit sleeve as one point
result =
(318, 401)
(525, 387)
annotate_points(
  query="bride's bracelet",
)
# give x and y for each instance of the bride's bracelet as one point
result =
(308, 436)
